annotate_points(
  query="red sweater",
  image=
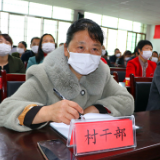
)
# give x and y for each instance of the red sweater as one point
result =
(134, 67)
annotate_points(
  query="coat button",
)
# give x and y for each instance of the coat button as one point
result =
(82, 92)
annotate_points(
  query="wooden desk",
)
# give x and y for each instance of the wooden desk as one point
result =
(23, 146)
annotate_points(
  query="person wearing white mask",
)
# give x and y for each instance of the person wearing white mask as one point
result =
(34, 49)
(46, 45)
(117, 54)
(76, 72)
(141, 66)
(7, 62)
(122, 61)
(154, 57)
(21, 49)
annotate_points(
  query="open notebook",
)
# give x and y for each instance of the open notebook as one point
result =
(63, 129)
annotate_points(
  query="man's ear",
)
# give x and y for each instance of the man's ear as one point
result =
(139, 51)
(65, 50)
(30, 45)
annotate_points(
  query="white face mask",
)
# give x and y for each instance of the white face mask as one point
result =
(34, 49)
(103, 52)
(118, 55)
(48, 47)
(127, 58)
(5, 49)
(83, 63)
(154, 59)
(20, 50)
(147, 54)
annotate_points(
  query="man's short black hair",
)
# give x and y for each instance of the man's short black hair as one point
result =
(142, 43)
(155, 52)
(24, 43)
(94, 30)
(116, 50)
(34, 38)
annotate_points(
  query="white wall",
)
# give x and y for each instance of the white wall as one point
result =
(150, 35)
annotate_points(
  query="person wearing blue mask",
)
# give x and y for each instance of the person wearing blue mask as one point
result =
(76, 72)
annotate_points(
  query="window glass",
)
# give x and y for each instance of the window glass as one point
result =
(16, 28)
(112, 39)
(137, 27)
(4, 22)
(125, 24)
(105, 36)
(122, 40)
(0, 4)
(140, 37)
(95, 17)
(63, 13)
(62, 31)
(15, 6)
(33, 28)
(50, 27)
(131, 41)
(40, 9)
(111, 22)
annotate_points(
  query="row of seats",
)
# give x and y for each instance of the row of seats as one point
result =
(139, 86)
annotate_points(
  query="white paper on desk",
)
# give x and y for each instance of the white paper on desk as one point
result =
(64, 129)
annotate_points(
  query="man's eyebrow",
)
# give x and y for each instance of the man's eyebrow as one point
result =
(81, 42)
(98, 45)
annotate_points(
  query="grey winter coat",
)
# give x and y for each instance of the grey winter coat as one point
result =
(54, 72)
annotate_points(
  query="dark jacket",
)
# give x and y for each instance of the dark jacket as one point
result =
(154, 96)
(25, 56)
(112, 59)
(15, 65)
(109, 63)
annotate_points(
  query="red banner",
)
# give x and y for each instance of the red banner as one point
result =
(157, 32)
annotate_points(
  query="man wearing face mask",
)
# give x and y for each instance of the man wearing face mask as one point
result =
(141, 66)
(122, 61)
(117, 54)
(34, 49)
(76, 72)
(154, 57)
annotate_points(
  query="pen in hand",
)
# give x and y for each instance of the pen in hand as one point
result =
(62, 98)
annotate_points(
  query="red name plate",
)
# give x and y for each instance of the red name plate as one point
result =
(103, 135)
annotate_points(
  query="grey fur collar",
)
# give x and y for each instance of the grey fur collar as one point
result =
(62, 78)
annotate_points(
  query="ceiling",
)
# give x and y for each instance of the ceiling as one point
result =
(144, 11)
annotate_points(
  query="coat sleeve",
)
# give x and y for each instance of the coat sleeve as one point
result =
(31, 92)
(130, 69)
(116, 99)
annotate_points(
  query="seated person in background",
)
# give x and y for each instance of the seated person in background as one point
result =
(46, 45)
(61, 44)
(116, 55)
(141, 66)
(7, 62)
(105, 56)
(154, 96)
(154, 57)
(78, 74)
(34, 49)
(122, 61)
(22, 48)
